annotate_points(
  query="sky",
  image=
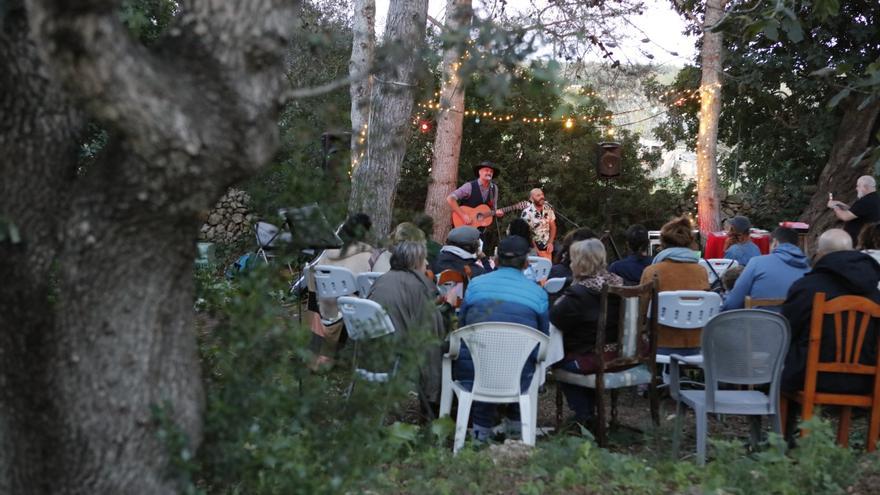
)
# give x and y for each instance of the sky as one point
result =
(659, 23)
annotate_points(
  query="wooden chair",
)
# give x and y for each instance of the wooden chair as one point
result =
(757, 303)
(850, 342)
(635, 363)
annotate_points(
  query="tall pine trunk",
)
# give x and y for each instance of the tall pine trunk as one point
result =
(389, 114)
(363, 46)
(710, 109)
(447, 142)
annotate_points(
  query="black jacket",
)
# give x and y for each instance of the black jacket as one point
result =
(449, 261)
(576, 315)
(835, 274)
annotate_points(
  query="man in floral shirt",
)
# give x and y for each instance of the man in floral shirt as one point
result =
(542, 221)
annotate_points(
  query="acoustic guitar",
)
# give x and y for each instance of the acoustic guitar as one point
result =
(482, 216)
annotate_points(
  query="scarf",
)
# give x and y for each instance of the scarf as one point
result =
(461, 253)
(680, 254)
(599, 279)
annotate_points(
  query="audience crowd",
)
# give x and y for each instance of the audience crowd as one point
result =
(501, 289)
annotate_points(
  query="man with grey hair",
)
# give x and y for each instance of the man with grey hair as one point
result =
(837, 271)
(864, 211)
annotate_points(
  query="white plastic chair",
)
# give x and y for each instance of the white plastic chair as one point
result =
(554, 285)
(540, 267)
(332, 282)
(716, 267)
(499, 352)
(365, 319)
(742, 347)
(653, 241)
(686, 309)
(365, 282)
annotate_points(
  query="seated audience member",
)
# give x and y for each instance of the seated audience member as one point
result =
(576, 315)
(562, 266)
(404, 231)
(869, 240)
(504, 295)
(677, 268)
(520, 227)
(837, 271)
(630, 268)
(461, 250)
(739, 245)
(730, 276)
(426, 223)
(409, 297)
(356, 255)
(770, 276)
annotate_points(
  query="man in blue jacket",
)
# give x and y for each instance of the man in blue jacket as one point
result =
(771, 275)
(504, 295)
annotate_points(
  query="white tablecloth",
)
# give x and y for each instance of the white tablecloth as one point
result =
(555, 351)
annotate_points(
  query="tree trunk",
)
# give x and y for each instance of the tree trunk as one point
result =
(447, 142)
(96, 322)
(710, 108)
(375, 180)
(857, 128)
(362, 52)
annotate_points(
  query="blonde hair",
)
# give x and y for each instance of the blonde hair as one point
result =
(587, 258)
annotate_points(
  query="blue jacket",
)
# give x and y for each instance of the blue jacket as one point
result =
(630, 268)
(768, 276)
(742, 253)
(502, 295)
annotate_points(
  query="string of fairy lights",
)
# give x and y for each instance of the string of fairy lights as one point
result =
(429, 111)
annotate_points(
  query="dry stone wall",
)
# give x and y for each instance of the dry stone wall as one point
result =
(230, 219)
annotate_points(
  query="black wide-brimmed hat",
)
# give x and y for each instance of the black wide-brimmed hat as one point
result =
(495, 170)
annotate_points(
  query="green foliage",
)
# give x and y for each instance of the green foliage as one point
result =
(299, 174)
(777, 89)
(148, 19)
(271, 426)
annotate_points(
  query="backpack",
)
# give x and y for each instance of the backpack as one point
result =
(243, 264)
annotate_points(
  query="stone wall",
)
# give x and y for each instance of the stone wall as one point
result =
(230, 219)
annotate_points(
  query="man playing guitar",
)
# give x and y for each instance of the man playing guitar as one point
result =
(542, 220)
(481, 191)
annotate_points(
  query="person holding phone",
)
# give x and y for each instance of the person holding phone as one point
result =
(864, 211)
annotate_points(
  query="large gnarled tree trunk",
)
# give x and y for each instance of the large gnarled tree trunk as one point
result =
(710, 109)
(447, 142)
(96, 319)
(840, 173)
(375, 179)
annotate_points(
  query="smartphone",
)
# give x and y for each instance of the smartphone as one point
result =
(830, 196)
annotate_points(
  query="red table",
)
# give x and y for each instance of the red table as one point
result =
(715, 244)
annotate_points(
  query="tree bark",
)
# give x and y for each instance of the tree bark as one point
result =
(856, 131)
(96, 319)
(363, 47)
(447, 142)
(375, 180)
(710, 108)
